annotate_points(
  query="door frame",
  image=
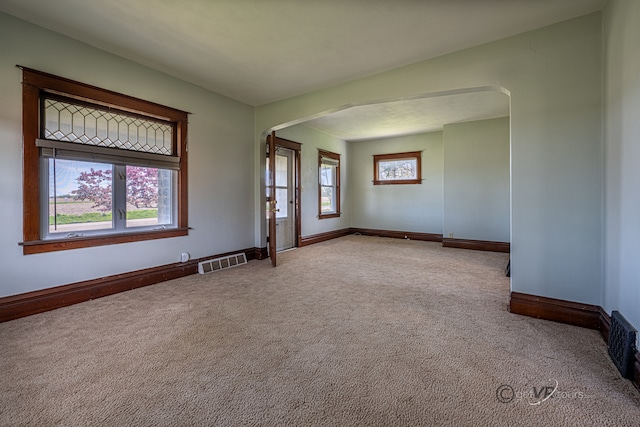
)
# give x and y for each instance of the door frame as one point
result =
(271, 197)
(275, 142)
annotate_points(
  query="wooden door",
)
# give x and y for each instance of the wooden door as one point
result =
(271, 195)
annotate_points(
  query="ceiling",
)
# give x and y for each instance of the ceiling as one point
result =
(411, 116)
(262, 51)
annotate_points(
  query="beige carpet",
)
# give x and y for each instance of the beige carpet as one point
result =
(354, 331)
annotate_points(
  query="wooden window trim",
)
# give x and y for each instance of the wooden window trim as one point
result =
(34, 83)
(337, 213)
(395, 156)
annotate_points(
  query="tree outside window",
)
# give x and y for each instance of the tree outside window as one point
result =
(397, 168)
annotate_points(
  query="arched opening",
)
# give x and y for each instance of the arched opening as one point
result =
(464, 140)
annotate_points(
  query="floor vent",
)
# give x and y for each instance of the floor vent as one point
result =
(622, 342)
(221, 263)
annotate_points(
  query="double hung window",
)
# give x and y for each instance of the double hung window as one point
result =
(329, 184)
(100, 167)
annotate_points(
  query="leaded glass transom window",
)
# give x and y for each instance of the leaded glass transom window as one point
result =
(397, 169)
(66, 121)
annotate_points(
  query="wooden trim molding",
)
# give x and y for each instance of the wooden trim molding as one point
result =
(296, 147)
(334, 156)
(429, 237)
(605, 324)
(261, 253)
(34, 85)
(42, 246)
(572, 313)
(286, 143)
(477, 245)
(321, 237)
(21, 305)
(414, 155)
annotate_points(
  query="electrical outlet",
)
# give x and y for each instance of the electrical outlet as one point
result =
(450, 235)
(184, 257)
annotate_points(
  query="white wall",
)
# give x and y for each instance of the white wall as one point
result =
(622, 153)
(221, 163)
(313, 140)
(406, 207)
(476, 180)
(553, 76)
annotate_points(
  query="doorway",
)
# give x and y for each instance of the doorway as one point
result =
(283, 195)
(285, 199)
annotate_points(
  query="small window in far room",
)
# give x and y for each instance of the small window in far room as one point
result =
(328, 184)
(398, 168)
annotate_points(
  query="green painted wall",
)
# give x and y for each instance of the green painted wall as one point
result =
(465, 186)
(553, 76)
(312, 140)
(622, 153)
(221, 163)
(476, 180)
(407, 207)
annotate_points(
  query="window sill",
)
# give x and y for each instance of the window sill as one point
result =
(42, 246)
(398, 181)
(331, 215)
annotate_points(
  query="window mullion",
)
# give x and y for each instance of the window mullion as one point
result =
(119, 197)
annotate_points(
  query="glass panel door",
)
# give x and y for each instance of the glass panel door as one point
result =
(285, 193)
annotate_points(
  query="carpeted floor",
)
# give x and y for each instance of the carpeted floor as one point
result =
(353, 331)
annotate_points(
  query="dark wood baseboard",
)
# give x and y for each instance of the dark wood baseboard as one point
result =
(321, 237)
(478, 245)
(605, 324)
(261, 253)
(429, 237)
(21, 305)
(572, 313)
